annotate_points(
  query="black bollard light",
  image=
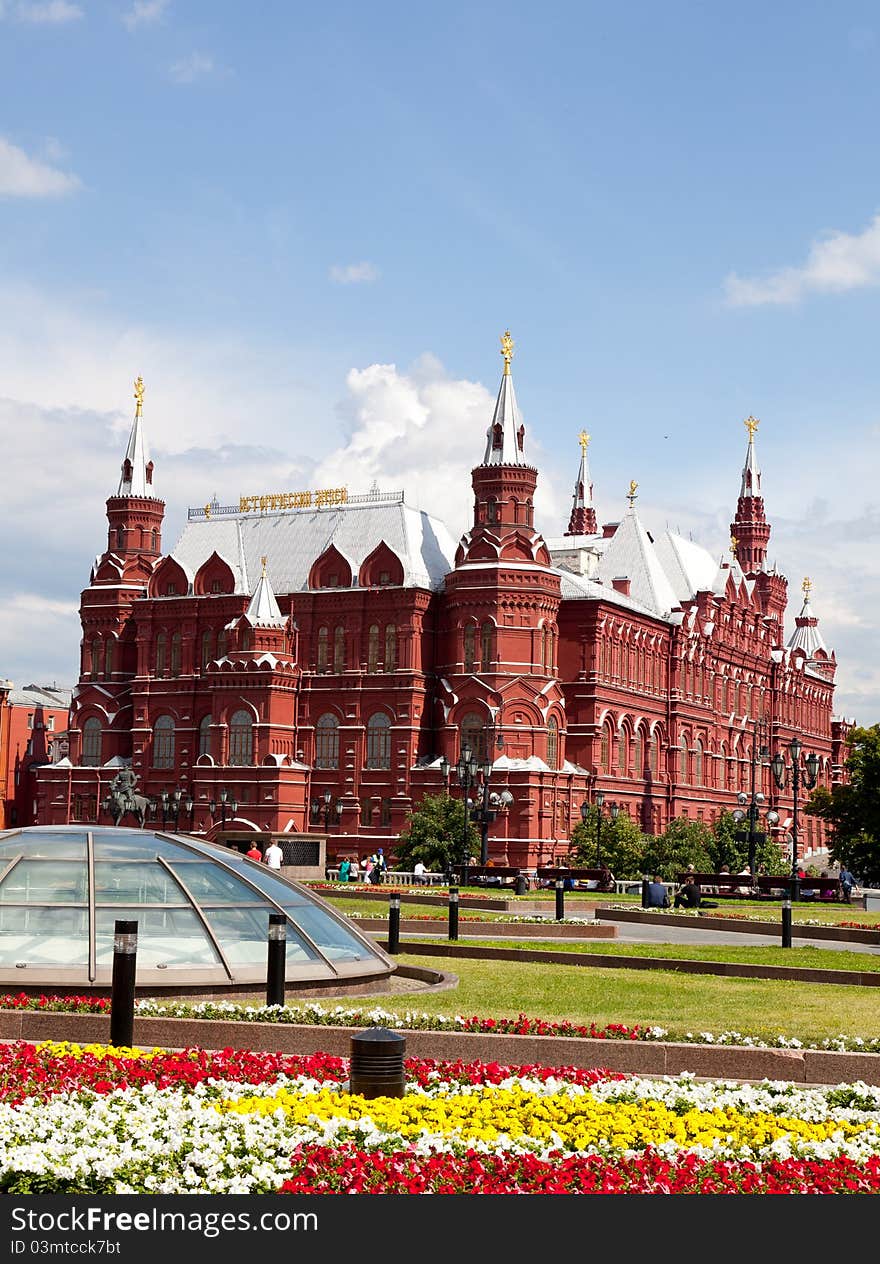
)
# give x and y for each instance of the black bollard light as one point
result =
(453, 912)
(125, 942)
(277, 959)
(786, 922)
(394, 923)
(377, 1063)
(646, 902)
(560, 899)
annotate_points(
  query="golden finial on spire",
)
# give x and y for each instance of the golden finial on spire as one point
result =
(807, 587)
(751, 424)
(263, 561)
(584, 441)
(733, 545)
(139, 396)
(631, 494)
(507, 345)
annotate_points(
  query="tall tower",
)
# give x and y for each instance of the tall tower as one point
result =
(583, 515)
(501, 604)
(119, 577)
(750, 528)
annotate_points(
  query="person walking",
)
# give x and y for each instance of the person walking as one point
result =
(274, 856)
(344, 869)
(847, 882)
(253, 852)
(354, 872)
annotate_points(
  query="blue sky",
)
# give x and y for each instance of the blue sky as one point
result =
(307, 226)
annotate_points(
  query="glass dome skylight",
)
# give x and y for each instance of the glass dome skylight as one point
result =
(202, 912)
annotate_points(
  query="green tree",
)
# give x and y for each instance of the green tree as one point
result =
(621, 846)
(682, 843)
(433, 833)
(852, 811)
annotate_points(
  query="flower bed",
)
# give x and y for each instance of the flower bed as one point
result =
(315, 1014)
(96, 1120)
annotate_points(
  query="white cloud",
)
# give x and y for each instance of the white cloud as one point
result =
(422, 432)
(836, 263)
(144, 13)
(189, 69)
(354, 273)
(22, 176)
(49, 12)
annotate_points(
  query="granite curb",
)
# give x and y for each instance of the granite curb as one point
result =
(492, 930)
(841, 934)
(638, 1057)
(609, 961)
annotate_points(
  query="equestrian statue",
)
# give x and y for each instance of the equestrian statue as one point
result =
(122, 800)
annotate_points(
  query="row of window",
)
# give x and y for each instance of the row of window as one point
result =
(640, 752)
(241, 740)
(388, 663)
(378, 753)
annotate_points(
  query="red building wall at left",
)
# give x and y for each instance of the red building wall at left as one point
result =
(33, 732)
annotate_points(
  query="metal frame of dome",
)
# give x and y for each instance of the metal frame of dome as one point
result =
(328, 950)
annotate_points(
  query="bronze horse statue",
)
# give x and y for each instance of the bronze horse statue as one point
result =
(122, 799)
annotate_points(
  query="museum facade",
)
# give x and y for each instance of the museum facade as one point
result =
(316, 661)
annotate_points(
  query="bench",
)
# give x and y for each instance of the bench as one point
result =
(487, 875)
(590, 878)
(725, 885)
(811, 888)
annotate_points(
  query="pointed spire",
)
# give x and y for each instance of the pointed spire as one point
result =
(137, 468)
(506, 433)
(264, 611)
(583, 515)
(751, 475)
(806, 635)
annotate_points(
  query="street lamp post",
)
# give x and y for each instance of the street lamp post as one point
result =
(808, 775)
(224, 799)
(466, 771)
(614, 808)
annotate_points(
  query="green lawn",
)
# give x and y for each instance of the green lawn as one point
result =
(760, 954)
(681, 1003)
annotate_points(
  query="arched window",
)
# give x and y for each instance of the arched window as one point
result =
(606, 747)
(207, 648)
(391, 648)
(96, 656)
(379, 741)
(491, 509)
(683, 760)
(161, 654)
(639, 754)
(327, 742)
(108, 658)
(323, 641)
(469, 647)
(163, 742)
(473, 734)
(622, 744)
(543, 649)
(241, 739)
(653, 754)
(91, 743)
(205, 735)
(221, 643)
(339, 650)
(175, 654)
(154, 540)
(553, 742)
(698, 763)
(551, 651)
(246, 640)
(486, 634)
(373, 648)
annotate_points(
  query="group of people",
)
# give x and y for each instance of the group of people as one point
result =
(273, 855)
(370, 869)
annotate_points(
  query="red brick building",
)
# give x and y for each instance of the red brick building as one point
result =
(33, 731)
(316, 654)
